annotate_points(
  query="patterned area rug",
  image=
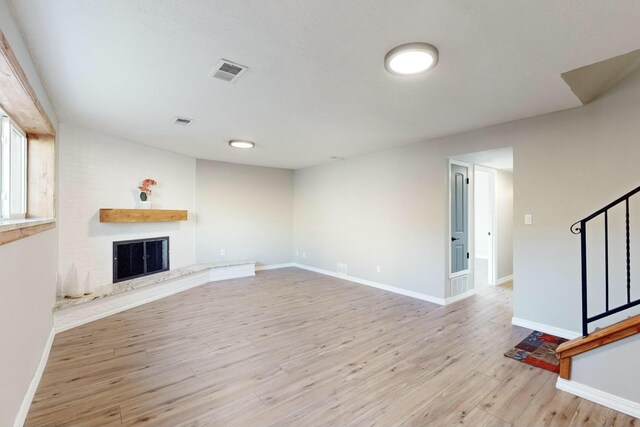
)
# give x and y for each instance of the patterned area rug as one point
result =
(539, 350)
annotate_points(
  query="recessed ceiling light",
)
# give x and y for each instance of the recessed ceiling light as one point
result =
(236, 143)
(411, 58)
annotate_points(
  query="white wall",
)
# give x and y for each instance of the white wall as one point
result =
(98, 171)
(386, 208)
(28, 284)
(27, 273)
(245, 210)
(504, 236)
(612, 368)
(483, 210)
(389, 207)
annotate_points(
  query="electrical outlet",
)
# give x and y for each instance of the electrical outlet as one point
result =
(223, 252)
(378, 269)
(297, 253)
(304, 254)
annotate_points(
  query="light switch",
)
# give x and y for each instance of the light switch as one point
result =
(527, 219)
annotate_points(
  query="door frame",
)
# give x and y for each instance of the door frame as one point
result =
(494, 221)
(470, 203)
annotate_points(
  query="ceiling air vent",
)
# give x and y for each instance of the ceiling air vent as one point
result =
(182, 121)
(228, 71)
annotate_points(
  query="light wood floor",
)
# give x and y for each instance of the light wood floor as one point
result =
(291, 347)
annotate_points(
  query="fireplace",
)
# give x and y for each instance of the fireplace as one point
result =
(137, 258)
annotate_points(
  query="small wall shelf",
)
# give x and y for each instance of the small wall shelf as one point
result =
(142, 215)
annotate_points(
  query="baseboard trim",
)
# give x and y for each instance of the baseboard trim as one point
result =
(547, 329)
(35, 381)
(459, 297)
(395, 290)
(504, 279)
(274, 266)
(616, 403)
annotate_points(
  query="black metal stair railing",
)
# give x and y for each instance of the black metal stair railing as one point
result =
(580, 228)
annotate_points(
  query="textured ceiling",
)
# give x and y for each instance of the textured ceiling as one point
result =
(316, 86)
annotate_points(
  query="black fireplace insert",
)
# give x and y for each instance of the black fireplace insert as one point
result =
(137, 258)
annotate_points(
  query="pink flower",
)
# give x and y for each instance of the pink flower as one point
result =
(145, 186)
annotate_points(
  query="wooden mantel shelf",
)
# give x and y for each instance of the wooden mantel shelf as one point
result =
(142, 215)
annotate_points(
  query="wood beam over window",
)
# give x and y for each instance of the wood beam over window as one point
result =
(19, 101)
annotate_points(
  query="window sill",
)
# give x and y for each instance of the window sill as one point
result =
(15, 229)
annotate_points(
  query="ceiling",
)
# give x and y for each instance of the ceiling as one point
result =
(316, 85)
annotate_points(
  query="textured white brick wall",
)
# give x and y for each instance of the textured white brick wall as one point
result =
(99, 171)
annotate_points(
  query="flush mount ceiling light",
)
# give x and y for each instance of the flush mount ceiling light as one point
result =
(236, 143)
(411, 58)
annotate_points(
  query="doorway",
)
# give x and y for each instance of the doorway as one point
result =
(480, 188)
(459, 219)
(484, 226)
(459, 228)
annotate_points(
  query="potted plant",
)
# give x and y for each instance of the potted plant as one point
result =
(145, 192)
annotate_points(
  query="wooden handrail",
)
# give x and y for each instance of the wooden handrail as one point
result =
(599, 338)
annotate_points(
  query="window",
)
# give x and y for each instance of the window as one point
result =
(13, 169)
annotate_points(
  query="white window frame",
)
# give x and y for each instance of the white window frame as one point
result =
(8, 209)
